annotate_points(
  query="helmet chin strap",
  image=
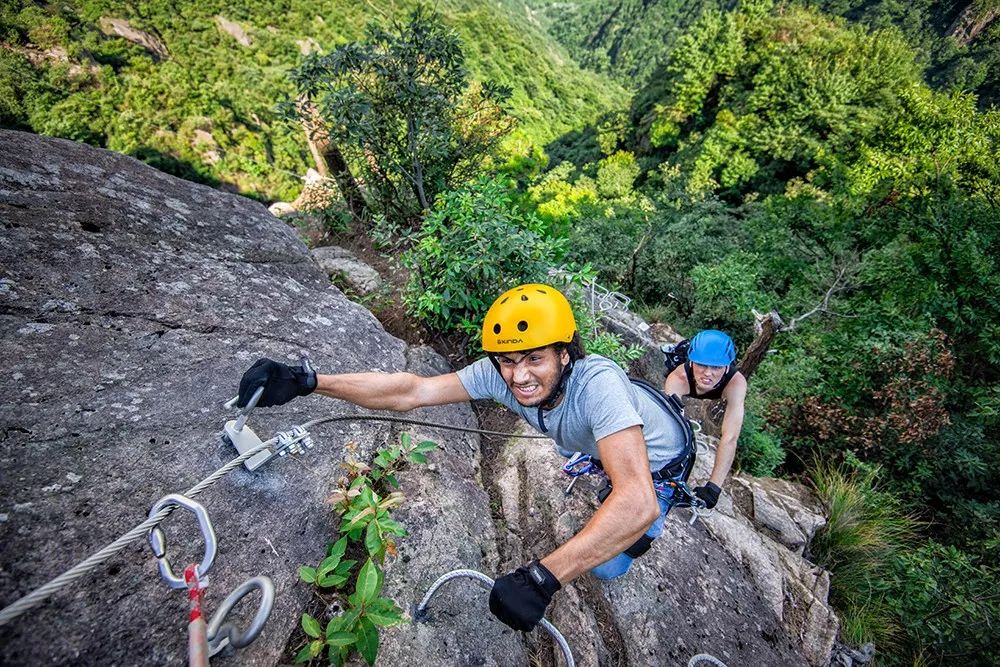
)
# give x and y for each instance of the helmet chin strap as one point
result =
(551, 400)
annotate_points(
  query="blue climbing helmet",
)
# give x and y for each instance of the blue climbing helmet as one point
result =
(712, 347)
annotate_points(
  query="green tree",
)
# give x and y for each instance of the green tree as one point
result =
(401, 106)
(475, 244)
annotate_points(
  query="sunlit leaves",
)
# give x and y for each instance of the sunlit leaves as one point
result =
(364, 507)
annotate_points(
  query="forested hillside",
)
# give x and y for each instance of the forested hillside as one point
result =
(780, 159)
(194, 88)
(957, 43)
(840, 172)
(624, 38)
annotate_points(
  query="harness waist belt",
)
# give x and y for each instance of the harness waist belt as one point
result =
(672, 469)
(669, 471)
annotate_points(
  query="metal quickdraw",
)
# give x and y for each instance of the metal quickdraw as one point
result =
(157, 540)
(578, 465)
(682, 496)
(207, 640)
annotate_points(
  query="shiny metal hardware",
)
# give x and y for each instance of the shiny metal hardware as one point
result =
(243, 437)
(224, 636)
(157, 540)
(295, 441)
(578, 465)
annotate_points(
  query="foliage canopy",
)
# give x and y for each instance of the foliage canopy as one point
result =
(400, 106)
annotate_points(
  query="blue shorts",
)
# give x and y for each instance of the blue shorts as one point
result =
(620, 564)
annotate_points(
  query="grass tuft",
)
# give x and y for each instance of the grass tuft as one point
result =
(866, 528)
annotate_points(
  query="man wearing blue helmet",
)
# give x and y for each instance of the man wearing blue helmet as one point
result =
(709, 373)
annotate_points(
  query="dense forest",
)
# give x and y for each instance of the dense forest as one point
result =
(832, 162)
(193, 90)
(956, 43)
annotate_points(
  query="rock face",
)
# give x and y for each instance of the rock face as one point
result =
(761, 526)
(130, 304)
(234, 30)
(122, 28)
(340, 263)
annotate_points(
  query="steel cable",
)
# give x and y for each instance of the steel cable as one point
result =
(43, 592)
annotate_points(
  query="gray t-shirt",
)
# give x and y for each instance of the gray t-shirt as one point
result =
(600, 400)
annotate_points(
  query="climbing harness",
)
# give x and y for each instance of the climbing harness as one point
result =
(487, 583)
(205, 641)
(581, 464)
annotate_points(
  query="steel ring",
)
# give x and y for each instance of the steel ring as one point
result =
(217, 632)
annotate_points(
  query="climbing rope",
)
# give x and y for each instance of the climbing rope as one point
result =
(487, 583)
(36, 597)
(704, 657)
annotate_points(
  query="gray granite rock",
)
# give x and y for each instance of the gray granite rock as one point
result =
(130, 304)
(340, 263)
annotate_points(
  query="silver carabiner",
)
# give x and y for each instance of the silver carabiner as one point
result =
(157, 540)
(222, 636)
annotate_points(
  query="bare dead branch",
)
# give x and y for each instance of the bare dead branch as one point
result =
(839, 285)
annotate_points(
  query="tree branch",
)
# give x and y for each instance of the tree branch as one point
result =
(824, 304)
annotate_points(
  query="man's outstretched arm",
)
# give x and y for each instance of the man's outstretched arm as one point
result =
(376, 391)
(393, 391)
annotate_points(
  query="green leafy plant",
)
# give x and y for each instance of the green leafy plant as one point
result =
(363, 502)
(759, 452)
(474, 244)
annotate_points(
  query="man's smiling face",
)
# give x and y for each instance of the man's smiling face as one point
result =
(532, 376)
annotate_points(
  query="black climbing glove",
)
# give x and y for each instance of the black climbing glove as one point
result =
(281, 383)
(709, 493)
(519, 599)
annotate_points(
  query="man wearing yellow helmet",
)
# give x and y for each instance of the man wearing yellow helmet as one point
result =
(537, 367)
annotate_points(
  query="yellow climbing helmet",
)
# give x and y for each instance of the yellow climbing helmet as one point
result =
(528, 317)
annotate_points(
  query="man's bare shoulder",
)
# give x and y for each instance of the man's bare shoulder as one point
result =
(735, 388)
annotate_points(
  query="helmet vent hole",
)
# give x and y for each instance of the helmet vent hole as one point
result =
(524, 297)
(505, 299)
(541, 291)
(522, 326)
(496, 328)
